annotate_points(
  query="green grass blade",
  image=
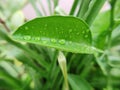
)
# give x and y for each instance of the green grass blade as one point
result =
(78, 83)
(49, 6)
(74, 7)
(9, 79)
(94, 11)
(56, 3)
(33, 2)
(42, 7)
(84, 7)
(32, 54)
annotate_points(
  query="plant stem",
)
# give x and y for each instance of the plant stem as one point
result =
(4, 24)
(98, 60)
(112, 3)
(63, 66)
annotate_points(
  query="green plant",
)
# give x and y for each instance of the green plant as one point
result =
(79, 51)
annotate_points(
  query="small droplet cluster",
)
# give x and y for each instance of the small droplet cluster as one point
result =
(26, 28)
(43, 40)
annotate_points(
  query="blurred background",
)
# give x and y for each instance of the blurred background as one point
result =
(17, 71)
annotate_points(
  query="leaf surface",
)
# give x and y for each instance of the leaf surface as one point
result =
(62, 32)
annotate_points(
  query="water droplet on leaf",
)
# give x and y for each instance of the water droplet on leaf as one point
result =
(53, 40)
(86, 36)
(27, 37)
(70, 30)
(26, 28)
(83, 32)
(37, 38)
(44, 40)
(78, 33)
(62, 41)
(87, 30)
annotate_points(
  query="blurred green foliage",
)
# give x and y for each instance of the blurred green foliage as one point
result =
(25, 66)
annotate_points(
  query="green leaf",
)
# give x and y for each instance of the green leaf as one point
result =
(62, 32)
(78, 83)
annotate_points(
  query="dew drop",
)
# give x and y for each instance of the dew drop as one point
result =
(82, 28)
(86, 36)
(62, 41)
(37, 38)
(83, 32)
(56, 28)
(53, 40)
(45, 25)
(44, 41)
(78, 33)
(87, 30)
(70, 30)
(27, 37)
(33, 38)
(26, 28)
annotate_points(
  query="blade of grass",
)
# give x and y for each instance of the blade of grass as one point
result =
(42, 7)
(52, 69)
(49, 6)
(72, 11)
(27, 60)
(83, 62)
(94, 11)
(55, 3)
(33, 3)
(98, 60)
(36, 78)
(8, 78)
(24, 48)
(83, 8)
(112, 3)
(87, 69)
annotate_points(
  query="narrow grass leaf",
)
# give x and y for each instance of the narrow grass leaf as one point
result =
(78, 83)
